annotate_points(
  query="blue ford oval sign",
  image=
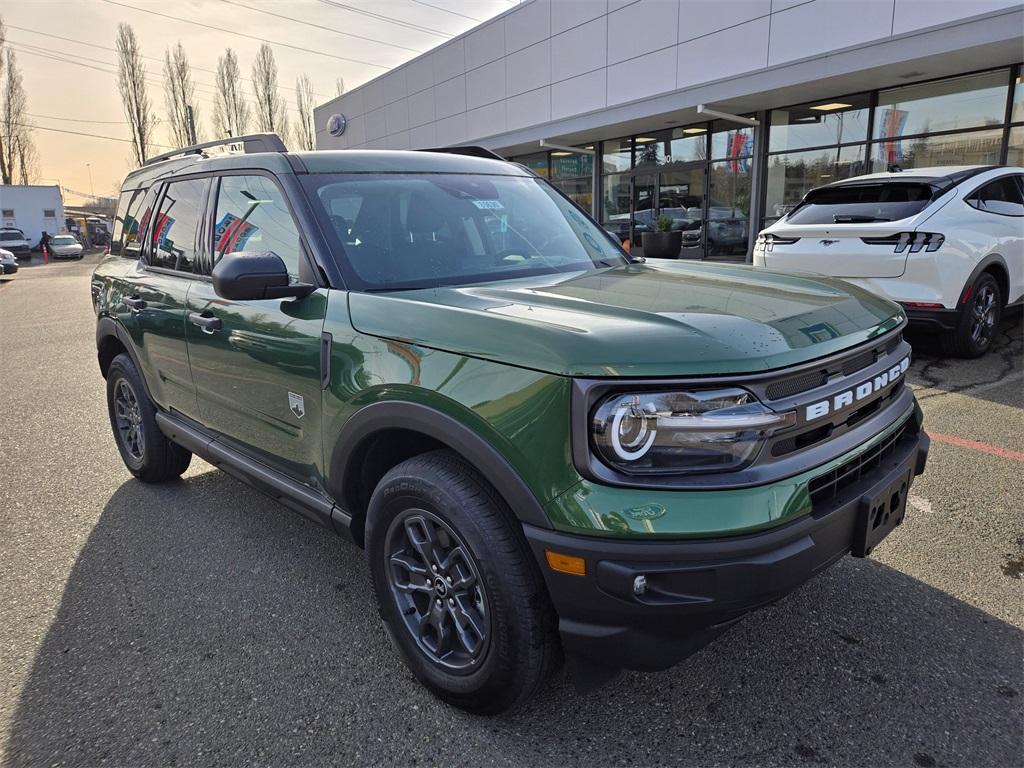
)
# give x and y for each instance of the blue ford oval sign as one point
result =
(336, 124)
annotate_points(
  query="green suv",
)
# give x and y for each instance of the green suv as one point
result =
(548, 449)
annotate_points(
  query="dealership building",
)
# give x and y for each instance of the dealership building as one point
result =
(717, 114)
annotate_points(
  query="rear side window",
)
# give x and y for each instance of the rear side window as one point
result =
(173, 242)
(862, 203)
(1002, 196)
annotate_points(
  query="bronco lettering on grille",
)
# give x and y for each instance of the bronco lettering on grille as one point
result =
(854, 394)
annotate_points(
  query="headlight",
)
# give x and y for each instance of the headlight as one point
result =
(683, 432)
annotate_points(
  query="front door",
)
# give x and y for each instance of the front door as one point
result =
(256, 364)
(681, 196)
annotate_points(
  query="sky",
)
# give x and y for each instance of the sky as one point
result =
(65, 49)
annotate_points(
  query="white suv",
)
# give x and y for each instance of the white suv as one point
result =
(946, 243)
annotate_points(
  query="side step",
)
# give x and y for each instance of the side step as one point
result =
(297, 497)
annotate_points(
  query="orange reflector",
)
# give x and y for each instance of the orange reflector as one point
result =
(576, 566)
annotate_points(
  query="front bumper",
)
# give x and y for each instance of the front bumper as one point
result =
(696, 589)
(9, 269)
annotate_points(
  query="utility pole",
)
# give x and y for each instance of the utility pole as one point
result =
(191, 125)
(92, 190)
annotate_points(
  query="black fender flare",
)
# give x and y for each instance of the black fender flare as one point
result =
(106, 327)
(411, 416)
(988, 261)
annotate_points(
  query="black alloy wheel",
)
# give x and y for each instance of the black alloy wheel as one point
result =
(437, 588)
(979, 320)
(128, 419)
(983, 315)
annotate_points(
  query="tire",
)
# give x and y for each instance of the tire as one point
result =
(979, 320)
(504, 645)
(146, 452)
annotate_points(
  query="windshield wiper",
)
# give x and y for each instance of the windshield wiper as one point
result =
(854, 218)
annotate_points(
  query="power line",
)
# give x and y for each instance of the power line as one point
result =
(446, 10)
(78, 119)
(114, 50)
(243, 34)
(88, 135)
(321, 26)
(382, 17)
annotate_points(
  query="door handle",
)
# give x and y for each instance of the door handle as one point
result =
(134, 303)
(208, 323)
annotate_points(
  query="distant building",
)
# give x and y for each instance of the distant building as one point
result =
(32, 209)
(601, 98)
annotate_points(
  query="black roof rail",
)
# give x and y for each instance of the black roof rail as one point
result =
(468, 150)
(256, 142)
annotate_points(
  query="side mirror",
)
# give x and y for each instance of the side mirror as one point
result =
(251, 275)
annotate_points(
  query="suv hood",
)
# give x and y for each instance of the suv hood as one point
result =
(635, 320)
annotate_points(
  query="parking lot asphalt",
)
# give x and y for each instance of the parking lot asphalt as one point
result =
(200, 623)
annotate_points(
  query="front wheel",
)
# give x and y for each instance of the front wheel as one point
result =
(456, 586)
(146, 452)
(979, 320)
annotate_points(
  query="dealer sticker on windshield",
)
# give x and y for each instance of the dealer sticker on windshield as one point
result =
(490, 205)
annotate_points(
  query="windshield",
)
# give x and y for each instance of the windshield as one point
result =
(64, 240)
(402, 231)
(12, 234)
(862, 203)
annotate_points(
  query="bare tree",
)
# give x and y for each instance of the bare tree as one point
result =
(271, 114)
(305, 135)
(131, 81)
(339, 86)
(231, 111)
(17, 150)
(180, 95)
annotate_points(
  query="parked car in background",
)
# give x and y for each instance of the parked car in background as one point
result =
(946, 243)
(65, 247)
(14, 240)
(8, 264)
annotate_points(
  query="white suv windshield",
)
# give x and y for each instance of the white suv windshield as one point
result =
(64, 240)
(426, 230)
(15, 235)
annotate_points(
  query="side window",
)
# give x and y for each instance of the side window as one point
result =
(124, 220)
(1002, 196)
(173, 239)
(252, 216)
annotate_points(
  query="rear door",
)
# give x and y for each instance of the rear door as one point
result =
(256, 364)
(154, 298)
(850, 230)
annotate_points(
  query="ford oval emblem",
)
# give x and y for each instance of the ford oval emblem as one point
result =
(646, 512)
(336, 124)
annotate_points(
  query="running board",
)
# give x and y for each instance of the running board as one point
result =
(297, 497)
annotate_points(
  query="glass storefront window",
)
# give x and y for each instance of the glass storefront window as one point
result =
(830, 121)
(617, 156)
(616, 196)
(972, 148)
(1017, 113)
(728, 219)
(792, 175)
(970, 101)
(652, 149)
(689, 144)
(731, 141)
(1015, 151)
(578, 190)
(570, 164)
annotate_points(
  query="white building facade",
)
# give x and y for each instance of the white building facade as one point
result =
(827, 88)
(32, 209)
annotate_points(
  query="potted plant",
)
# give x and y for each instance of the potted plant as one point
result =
(664, 242)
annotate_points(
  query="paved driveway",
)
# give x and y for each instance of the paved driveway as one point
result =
(199, 623)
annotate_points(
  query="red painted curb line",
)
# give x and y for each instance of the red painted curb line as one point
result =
(995, 450)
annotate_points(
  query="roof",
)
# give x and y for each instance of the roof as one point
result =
(944, 173)
(403, 161)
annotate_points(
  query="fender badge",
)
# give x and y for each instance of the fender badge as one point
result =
(645, 512)
(296, 405)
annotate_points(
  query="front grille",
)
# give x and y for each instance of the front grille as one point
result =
(805, 382)
(831, 484)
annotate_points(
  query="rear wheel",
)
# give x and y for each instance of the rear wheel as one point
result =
(456, 586)
(979, 320)
(147, 453)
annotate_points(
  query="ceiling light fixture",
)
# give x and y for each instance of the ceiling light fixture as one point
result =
(645, 139)
(695, 130)
(831, 106)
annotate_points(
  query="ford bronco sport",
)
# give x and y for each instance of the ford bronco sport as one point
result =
(548, 450)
